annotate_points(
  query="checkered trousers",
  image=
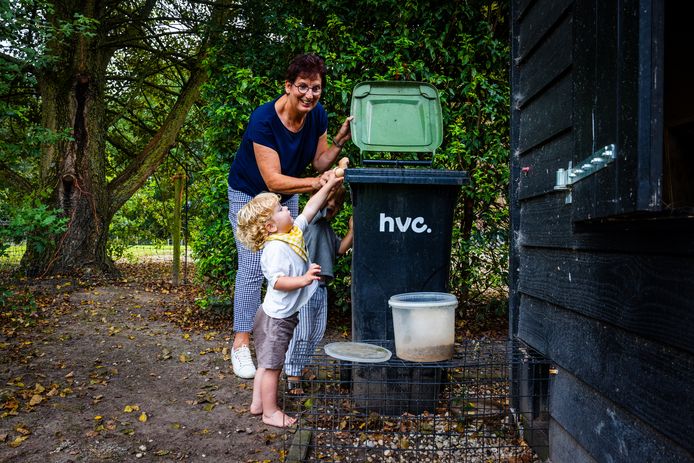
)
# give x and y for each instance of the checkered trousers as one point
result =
(249, 276)
(308, 333)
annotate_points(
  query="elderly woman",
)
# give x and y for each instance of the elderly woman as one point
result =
(283, 137)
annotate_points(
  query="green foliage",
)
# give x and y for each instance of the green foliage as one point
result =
(144, 219)
(31, 220)
(459, 47)
(233, 95)
(212, 242)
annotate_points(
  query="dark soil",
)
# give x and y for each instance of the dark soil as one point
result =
(124, 370)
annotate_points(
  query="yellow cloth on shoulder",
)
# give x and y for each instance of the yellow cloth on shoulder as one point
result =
(295, 240)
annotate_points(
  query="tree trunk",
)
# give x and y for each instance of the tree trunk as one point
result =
(73, 171)
(72, 175)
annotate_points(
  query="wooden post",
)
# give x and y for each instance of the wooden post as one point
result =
(299, 448)
(178, 180)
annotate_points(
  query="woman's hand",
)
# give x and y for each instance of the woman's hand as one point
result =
(344, 134)
(326, 154)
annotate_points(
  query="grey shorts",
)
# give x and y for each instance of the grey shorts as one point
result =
(271, 337)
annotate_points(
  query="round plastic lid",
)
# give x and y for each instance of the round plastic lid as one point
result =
(357, 352)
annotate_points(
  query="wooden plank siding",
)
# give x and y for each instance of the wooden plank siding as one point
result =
(547, 64)
(539, 18)
(609, 302)
(651, 382)
(545, 116)
(547, 223)
(608, 431)
(564, 447)
(539, 166)
(648, 295)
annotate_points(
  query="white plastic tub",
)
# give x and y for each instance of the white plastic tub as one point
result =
(424, 326)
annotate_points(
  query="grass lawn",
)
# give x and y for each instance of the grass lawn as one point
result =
(13, 255)
(136, 253)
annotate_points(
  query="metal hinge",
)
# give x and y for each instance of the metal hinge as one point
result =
(593, 163)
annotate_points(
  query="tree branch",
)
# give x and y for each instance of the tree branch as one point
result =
(136, 173)
(12, 179)
(23, 65)
(145, 164)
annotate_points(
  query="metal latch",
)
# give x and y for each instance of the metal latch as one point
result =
(593, 163)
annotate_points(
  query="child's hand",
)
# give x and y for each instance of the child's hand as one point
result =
(331, 179)
(341, 166)
(312, 274)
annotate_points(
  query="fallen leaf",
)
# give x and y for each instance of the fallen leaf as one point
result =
(35, 400)
(143, 417)
(23, 430)
(18, 441)
(131, 408)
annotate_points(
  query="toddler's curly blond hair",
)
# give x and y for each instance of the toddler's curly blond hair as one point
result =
(253, 217)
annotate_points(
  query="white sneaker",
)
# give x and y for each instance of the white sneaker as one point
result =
(242, 362)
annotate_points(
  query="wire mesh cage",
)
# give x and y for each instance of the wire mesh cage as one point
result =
(487, 404)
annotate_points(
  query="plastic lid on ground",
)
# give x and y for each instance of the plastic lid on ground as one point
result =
(357, 352)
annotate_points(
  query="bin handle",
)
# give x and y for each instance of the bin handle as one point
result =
(396, 162)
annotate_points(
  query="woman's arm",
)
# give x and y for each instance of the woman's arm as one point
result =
(326, 154)
(268, 161)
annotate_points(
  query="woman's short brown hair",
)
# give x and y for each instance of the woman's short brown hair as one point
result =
(306, 66)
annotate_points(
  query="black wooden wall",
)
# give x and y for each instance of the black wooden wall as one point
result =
(610, 302)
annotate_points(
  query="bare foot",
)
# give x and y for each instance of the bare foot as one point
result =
(279, 419)
(256, 409)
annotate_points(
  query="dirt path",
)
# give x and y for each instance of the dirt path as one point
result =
(107, 376)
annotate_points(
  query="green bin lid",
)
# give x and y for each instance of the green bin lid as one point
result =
(396, 116)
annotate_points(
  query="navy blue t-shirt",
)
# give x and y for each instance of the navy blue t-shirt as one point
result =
(296, 150)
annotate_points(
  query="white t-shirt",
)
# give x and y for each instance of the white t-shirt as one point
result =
(280, 260)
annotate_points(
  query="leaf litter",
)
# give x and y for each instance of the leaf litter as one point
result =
(124, 369)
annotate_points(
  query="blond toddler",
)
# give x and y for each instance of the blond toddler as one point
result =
(265, 224)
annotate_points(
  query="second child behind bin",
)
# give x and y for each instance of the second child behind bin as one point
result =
(291, 281)
(323, 247)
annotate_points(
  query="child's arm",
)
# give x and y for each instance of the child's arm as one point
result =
(347, 241)
(316, 202)
(294, 283)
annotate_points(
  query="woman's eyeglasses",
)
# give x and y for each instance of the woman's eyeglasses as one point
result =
(303, 89)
